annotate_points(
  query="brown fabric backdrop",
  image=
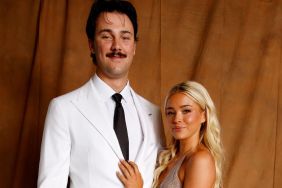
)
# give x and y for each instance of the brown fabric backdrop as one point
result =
(233, 47)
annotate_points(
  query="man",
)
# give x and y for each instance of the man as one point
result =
(81, 137)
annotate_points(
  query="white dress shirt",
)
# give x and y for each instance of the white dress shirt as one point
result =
(135, 134)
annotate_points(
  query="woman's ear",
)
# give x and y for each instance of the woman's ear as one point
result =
(203, 116)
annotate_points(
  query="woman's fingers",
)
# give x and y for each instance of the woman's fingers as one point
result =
(124, 169)
(130, 175)
(121, 178)
(128, 168)
(134, 166)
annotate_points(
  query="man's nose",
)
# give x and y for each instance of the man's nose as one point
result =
(116, 45)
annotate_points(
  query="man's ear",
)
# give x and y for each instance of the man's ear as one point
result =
(91, 46)
(135, 43)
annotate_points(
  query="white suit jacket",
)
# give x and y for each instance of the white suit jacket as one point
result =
(78, 142)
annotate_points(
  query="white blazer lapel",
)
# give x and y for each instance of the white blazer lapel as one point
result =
(144, 121)
(147, 155)
(93, 109)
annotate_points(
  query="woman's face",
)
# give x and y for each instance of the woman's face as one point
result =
(184, 117)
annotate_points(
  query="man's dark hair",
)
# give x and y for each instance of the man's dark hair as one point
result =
(100, 6)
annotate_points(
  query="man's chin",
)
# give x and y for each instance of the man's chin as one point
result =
(117, 74)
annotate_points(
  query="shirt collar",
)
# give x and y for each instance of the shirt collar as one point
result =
(126, 94)
(106, 92)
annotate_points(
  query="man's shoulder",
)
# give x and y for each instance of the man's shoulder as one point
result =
(147, 103)
(74, 94)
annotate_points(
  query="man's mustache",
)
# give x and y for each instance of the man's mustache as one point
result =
(114, 54)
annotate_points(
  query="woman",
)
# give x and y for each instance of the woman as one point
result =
(194, 157)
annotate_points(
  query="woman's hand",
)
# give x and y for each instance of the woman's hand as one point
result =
(130, 176)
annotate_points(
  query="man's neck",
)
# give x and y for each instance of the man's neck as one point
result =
(117, 84)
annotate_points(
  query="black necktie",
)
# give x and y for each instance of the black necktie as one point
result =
(120, 126)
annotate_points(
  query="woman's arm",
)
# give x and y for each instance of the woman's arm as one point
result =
(130, 175)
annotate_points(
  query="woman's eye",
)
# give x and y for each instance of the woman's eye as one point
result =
(186, 111)
(170, 113)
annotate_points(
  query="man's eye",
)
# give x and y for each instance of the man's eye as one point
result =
(106, 37)
(125, 38)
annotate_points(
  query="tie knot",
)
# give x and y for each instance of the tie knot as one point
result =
(117, 97)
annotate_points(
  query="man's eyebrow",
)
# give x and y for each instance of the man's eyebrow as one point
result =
(126, 32)
(105, 30)
(110, 31)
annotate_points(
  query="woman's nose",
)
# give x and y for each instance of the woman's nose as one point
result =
(177, 118)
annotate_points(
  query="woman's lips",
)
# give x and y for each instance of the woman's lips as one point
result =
(177, 129)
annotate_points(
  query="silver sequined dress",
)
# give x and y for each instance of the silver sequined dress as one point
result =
(172, 179)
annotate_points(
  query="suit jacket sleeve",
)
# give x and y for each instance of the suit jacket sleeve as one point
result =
(55, 149)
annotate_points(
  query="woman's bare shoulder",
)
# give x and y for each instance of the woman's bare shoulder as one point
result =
(201, 157)
(200, 169)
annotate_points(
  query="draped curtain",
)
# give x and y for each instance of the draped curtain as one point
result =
(232, 47)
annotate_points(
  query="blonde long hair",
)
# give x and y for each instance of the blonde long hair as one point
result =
(209, 132)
